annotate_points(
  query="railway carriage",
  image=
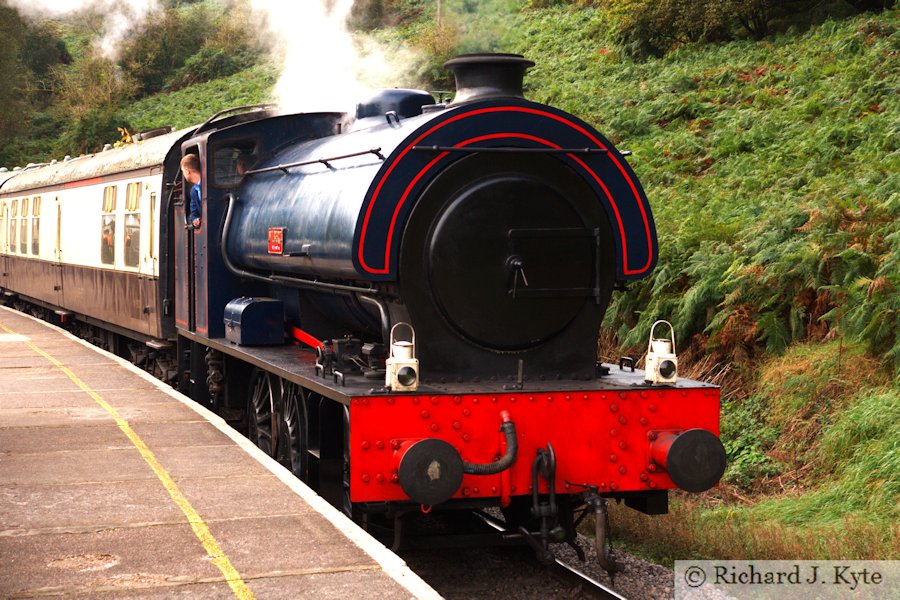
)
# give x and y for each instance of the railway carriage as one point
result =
(401, 305)
(86, 237)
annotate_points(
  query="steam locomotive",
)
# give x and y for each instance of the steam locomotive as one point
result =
(401, 306)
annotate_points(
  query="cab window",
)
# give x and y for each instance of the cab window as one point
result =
(231, 162)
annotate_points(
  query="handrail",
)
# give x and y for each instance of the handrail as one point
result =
(324, 161)
(247, 108)
(510, 150)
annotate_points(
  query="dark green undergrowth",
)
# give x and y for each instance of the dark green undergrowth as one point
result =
(814, 452)
(195, 104)
(774, 176)
(773, 172)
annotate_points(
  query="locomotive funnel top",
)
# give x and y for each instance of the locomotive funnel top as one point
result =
(483, 76)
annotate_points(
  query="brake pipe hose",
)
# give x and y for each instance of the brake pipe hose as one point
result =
(512, 447)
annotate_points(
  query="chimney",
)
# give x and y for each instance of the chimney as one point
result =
(484, 76)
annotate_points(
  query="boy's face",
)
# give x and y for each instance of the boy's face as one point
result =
(190, 174)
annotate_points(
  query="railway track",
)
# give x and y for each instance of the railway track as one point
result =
(587, 585)
(508, 568)
(564, 572)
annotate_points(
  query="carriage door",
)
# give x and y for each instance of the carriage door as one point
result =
(57, 253)
(190, 253)
(185, 317)
(4, 246)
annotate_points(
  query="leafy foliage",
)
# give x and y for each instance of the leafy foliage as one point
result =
(152, 56)
(196, 103)
(648, 27)
(42, 51)
(652, 27)
(63, 97)
(12, 97)
(29, 54)
(437, 30)
(747, 438)
(772, 172)
(210, 63)
(367, 15)
(89, 93)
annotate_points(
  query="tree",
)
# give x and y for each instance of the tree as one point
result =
(153, 55)
(652, 27)
(13, 93)
(90, 91)
(871, 5)
(42, 51)
(757, 16)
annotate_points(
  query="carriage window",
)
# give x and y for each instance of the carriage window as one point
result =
(13, 225)
(23, 228)
(231, 162)
(36, 226)
(108, 226)
(133, 225)
(152, 225)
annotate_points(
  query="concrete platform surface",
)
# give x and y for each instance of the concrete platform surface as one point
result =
(114, 485)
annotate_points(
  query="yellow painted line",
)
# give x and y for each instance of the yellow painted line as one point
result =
(201, 530)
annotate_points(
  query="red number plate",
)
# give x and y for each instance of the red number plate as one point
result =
(276, 240)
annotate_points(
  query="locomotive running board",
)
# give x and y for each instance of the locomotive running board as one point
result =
(298, 365)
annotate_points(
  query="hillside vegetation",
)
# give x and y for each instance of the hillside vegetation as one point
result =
(773, 171)
(774, 175)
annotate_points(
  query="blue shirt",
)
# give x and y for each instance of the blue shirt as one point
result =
(196, 208)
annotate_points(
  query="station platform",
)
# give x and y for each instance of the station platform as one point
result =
(114, 485)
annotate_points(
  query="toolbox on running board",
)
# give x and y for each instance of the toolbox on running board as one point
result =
(254, 321)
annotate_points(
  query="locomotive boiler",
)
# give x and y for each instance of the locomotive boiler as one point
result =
(490, 232)
(495, 226)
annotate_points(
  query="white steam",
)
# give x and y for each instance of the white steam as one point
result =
(323, 67)
(120, 16)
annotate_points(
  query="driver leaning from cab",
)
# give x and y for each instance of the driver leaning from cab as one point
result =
(190, 169)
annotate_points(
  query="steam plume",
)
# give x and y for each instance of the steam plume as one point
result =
(323, 68)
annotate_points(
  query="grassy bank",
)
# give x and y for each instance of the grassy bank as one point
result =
(197, 103)
(773, 172)
(815, 451)
(774, 175)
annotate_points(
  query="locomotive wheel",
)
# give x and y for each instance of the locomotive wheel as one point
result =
(293, 436)
(261, 403)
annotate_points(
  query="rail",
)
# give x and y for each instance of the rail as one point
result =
(569, 575)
